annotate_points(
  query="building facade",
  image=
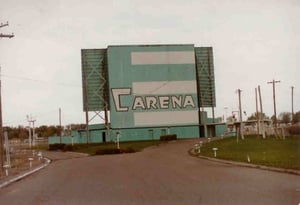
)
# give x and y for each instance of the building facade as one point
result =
(147, 91)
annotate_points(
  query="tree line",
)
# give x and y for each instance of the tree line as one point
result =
(44, 131)
(284, 117)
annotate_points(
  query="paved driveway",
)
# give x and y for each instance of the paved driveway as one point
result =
(165, 174)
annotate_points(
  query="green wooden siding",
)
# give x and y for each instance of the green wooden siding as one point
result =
(94, 79)
(206, 77)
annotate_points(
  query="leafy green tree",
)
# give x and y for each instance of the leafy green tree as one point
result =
(17, 132)
(47, 131)
(253, 116)
(285, 117)
(296, 117)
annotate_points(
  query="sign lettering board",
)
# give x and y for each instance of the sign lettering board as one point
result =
(152, 86)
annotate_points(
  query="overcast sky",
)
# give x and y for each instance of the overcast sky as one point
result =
(253, 41)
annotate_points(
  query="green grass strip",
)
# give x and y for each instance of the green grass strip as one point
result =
(281, 153)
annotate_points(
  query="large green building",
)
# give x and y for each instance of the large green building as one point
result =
(147, 91)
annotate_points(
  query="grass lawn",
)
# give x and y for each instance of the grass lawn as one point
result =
(134, 145)
(270, 152)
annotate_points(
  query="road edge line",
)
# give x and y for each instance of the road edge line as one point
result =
(22, 176)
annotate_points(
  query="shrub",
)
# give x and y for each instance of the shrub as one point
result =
(69, 147)
(168, 137)
(294, 129)
(129, 150)
(56, 146)
(114, 151)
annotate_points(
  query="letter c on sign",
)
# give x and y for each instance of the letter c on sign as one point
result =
(117, 92)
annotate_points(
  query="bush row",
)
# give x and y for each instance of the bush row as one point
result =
(168, 137)
(62, 147)
(114, 151)
(294, 130)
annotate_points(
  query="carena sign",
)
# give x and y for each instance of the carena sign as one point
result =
(151, 102)
(152, 86)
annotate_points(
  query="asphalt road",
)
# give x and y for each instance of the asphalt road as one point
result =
(165, 174)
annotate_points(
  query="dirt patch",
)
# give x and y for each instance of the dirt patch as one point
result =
(19, 161)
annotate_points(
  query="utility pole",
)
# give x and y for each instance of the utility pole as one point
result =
(274, 100)
(241, 115)
(1, 130)
(31, 138)
(60, 126)
(292, 104)
(262, 120)
(225, 117)
(33, 132)
(1, 121)
(257, 114)
(5, 35)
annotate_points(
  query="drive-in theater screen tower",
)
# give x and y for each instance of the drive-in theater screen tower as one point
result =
(147, 91)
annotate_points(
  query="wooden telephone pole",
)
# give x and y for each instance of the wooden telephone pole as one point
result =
(292, 104)
(1, 130)
(274, 100)
(1, 122)
(241, 116)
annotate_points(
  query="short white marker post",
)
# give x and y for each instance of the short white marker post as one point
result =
(30, 162)
(248, 159)
(40, 155)
(197, 148)
(6, 166)
(200, 143)
(215, 151)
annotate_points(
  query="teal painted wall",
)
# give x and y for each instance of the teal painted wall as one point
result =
(136, 134)
(220, 129)
(143, 80)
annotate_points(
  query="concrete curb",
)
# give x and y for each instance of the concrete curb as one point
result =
(21, 176)
(249, 165)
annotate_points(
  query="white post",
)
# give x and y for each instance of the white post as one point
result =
(6, 166)
(33, 134)
(29, 136)
(283, 133)
(40, 155)
(30, 162)
(197, 148)
(118, 140)
(7, 149)
(215, 151)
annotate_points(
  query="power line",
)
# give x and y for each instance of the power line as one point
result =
(39, 81)
(40, 115)
(5, 35)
